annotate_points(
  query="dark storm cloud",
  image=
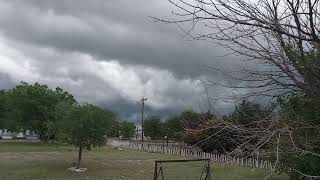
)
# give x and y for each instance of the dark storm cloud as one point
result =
(110, 30)
(108, 53)
(132, 111)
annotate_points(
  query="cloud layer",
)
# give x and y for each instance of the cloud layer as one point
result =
(100, 81)
(107, 52)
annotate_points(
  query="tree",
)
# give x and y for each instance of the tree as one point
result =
(282, 36)
(85, 126)
(248, 114)
(7, 119)
(172, 128)
(153, 127)
(127, 129)
(115, 128)
(62, 111)
(190, 119)
(33, 106)
(304, 144)
(3, 110)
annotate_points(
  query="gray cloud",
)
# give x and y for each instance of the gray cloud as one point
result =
(5, 81)
(112, 30)
(107, 52)
(100, 81)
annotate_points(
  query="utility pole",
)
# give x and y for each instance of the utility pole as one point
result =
(142, 130)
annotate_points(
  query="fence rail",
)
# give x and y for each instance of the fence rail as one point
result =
(193, 153)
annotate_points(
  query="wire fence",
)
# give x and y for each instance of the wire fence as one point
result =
(186, 151)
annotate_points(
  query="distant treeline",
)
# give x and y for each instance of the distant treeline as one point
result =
(194, 128)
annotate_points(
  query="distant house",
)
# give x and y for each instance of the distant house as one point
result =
(139, 132)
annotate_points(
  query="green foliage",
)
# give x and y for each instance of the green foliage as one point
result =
(301, 114)
(190, 119)
(153, 127)
(307, 65)
(33, 106)
(297, 165)
(86, 125)
(7, 120)
(55, 114)
(172, 128)
(62, 110)
(3, 109)
(301, 108)
(308, 164)
(115, 128)
(127, 129)
(173, 124)
(246, 113)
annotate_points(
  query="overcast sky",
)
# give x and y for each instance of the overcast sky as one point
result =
(109, 53)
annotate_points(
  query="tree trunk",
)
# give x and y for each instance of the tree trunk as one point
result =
(43, 138)
(79, 157)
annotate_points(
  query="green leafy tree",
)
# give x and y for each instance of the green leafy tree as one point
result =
(301, 113)
(62, 110)
(33, 106)
(127, 129)
(7, 120)
(172, 128)
(85, 126)
(247, 113)
(3, 110)
(115, 129)
(190, 119)
(153, 127)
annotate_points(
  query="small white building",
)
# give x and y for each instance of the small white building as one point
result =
(139, 132)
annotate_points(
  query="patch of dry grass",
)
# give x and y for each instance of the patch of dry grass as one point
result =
(39, 161)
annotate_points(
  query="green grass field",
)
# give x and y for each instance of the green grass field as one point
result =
(40, 161)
